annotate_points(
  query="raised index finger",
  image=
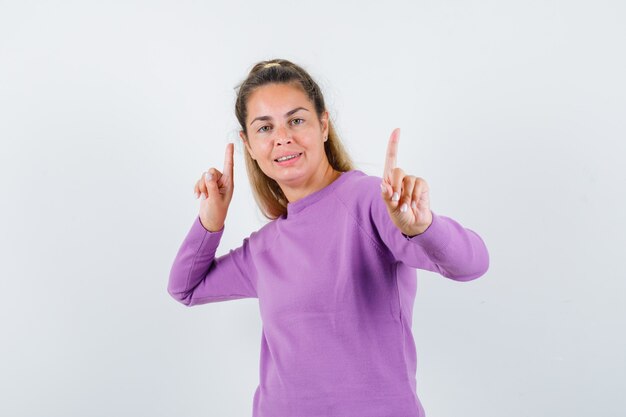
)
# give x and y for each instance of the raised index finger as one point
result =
(228, 161)
(392, 153)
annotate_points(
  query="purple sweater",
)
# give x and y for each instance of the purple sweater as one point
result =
(336, 282)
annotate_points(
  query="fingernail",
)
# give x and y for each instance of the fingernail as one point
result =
(208, 176)
(382, 187)
(404, 208)
(197, 195)
(414, 204)
(395, 196)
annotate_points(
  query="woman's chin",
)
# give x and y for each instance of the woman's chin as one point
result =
(289, 177)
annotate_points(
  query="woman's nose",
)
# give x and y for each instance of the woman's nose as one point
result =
(282, 136)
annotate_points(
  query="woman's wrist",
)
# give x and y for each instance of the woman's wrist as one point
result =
(211, 228)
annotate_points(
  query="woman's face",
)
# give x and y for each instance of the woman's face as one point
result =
(282, 122)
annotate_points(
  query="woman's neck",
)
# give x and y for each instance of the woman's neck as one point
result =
(328, 176)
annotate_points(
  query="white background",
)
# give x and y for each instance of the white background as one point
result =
(514, 113)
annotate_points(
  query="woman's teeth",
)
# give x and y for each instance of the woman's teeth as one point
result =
(285, 158)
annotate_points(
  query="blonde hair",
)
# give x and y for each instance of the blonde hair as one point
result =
(267, 193)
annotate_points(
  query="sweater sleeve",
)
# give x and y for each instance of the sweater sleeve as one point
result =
(445, 247)
(197, 277)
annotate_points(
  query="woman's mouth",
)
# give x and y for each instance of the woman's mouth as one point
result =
(288, 159)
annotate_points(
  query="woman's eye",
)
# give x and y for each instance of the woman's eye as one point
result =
(263, 129)
(299, 121)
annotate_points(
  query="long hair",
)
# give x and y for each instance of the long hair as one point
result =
(267, 193)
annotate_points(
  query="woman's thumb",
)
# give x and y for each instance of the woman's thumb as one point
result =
(211, 183)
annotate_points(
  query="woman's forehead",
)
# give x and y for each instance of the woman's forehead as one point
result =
(276, 100)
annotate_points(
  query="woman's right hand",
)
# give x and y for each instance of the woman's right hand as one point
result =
(216, 193)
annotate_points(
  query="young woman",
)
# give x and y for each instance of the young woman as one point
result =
(335, 269)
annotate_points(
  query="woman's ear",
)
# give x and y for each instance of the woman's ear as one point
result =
(245, 142)
(324, 122)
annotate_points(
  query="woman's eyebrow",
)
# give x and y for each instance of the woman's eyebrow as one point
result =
(289, 113)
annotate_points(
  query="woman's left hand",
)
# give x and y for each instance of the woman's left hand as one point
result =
(405, 196)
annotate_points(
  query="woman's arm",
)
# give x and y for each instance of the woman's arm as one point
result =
(437, 243)
(445, 246)
(197, 277)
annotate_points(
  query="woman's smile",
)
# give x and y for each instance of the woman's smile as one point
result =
(288, 159)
